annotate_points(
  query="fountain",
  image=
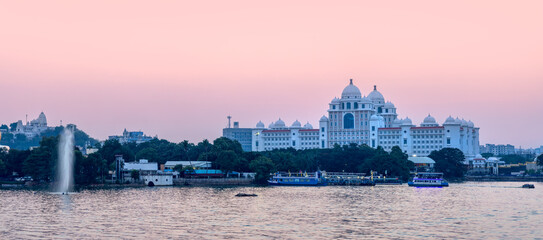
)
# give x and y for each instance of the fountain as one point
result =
(65, 163)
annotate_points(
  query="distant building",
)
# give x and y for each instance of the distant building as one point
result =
(170, 165)
(131, 137)
(371, 120)
(357, 119)
(158, 179)
(497, 150)
(279, 136)
(422, 164)
(242, 135)
(32, 128)
(141, 165)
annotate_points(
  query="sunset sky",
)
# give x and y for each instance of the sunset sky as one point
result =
(176, 69)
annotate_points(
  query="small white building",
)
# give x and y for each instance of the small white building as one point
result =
(422, 163)
(158, 179)
(141, 165)
(169, 165)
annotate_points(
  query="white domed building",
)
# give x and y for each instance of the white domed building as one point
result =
(374, 121)
(429, 136)
(349, 117)
(279, 136)
(371, 120)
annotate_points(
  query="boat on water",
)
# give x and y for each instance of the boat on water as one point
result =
(298, 179)
(428, 179)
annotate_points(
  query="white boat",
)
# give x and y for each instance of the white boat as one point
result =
(428, 179)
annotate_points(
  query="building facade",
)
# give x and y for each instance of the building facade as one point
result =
(30, 129)
(498, 149)
(349, 117)
(243, 135)
(279, 136)
(370, 120)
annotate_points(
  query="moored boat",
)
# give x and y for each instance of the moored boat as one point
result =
(300, 179)
(428, 179)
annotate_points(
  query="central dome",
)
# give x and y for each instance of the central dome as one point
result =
(351, 91)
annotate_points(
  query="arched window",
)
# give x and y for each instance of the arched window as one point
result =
(379, 110)
(348, 121)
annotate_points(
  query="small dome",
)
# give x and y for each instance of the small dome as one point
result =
(376, 95)
(464, 123)
(296, 124)
(397, 122)
(449, 120)
(260, 124)
(478, 156)
(279, 123)
(470, 124)
(323, 119)
(351, 91)
(308, 126)
(407, 121)
(389, 105)
(335, 100)
(365, 100)
(374, 118)
(457, 121)
(271, 125)
(429, 119)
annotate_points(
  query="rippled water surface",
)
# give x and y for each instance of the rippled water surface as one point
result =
(462, 211)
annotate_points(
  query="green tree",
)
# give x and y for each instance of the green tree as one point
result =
(148, 153)
(450, 162)
(262, 166)
(112, 148)
(88, 169)
(227, 160)
(39, 165)
(514, 159)
(4, 127)
(540, 160)
(2, 167)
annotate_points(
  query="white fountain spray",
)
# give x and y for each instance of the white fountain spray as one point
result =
(65, 163)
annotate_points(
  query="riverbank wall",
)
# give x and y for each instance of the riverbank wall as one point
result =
(504, 178)
(212, 181)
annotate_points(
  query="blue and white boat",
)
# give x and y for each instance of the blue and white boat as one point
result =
(298, 179)
(428, 179)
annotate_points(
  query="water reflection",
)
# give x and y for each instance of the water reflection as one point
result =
(481, 210)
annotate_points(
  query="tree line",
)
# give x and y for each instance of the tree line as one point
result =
(224, 154)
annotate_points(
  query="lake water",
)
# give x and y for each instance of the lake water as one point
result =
(470, 210)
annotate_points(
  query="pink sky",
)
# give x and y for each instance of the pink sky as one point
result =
(177, 69)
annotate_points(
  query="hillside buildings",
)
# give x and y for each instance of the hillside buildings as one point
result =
(370, 120)
(29, 129)
(132, 137)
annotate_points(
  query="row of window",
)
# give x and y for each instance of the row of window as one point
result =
(432, 141)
